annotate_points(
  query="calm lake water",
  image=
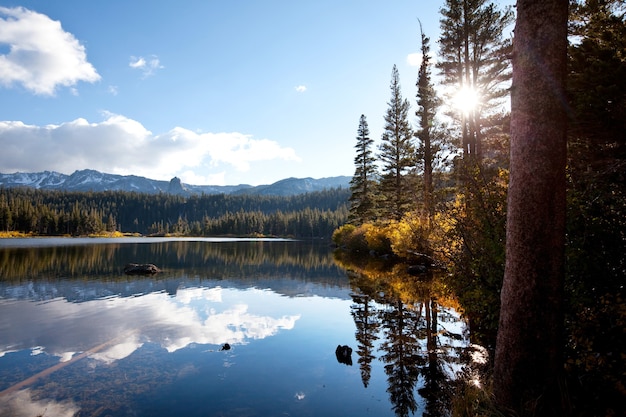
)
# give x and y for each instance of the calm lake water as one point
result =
(79, 337)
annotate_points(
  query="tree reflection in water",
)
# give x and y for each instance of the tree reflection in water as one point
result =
(420, 342)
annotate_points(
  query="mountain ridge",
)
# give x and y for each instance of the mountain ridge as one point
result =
(92, 180)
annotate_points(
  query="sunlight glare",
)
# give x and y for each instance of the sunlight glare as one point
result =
(466, 99)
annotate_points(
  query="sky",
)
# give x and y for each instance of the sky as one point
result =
(213, 92)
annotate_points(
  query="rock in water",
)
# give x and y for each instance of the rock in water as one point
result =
(141, 269)
(344, 354)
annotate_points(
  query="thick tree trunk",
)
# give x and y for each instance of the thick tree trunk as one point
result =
(528, 359)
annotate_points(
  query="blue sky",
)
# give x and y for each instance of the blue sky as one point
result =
(214, 92)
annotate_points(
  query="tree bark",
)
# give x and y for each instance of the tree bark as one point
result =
(528, 359)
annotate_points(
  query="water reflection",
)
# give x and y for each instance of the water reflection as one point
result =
(421, 340)
(178, 257)
(21, 403)
(194, 315)
(78, 337)
(44, 273)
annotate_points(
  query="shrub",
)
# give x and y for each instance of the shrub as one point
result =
(377, 239)
(340, 235)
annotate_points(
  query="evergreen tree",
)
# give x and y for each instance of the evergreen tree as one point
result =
(397, 154)
(474, 62)
(597, 78)
(427, 105)
(596, 230)
(362, 184)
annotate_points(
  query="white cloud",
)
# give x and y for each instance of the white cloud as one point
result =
(120, 145)
(42, 56)
(301, 88)
(147, 67)
(137, 62)
(414, 59)
(191, 177)
(113, 90)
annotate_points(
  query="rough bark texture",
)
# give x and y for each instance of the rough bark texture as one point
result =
(528, 360)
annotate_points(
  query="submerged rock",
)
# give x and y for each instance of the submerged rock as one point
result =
(141, 269)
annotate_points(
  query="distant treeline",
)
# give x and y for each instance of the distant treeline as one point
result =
(310, 215)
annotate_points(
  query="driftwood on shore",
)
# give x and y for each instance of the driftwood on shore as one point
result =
(141, 269)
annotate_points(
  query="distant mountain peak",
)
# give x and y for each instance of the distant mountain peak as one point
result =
(92, 180)
(176, 187)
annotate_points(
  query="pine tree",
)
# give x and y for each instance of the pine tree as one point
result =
(427, 105)
(397, 154)
(362, 184)
(474, 60)
(597, 77)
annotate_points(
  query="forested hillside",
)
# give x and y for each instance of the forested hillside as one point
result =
(310, 215)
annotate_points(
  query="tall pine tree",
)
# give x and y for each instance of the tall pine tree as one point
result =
(362, 184)
(427, 105)
(397, 154)
(528, 361)
(474, 61)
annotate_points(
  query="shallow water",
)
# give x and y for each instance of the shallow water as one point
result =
(228, 328)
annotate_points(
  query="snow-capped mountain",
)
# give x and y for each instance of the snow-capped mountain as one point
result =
(91, 180)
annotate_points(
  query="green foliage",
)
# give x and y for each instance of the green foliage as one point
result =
(312, 215)
(465, 227)
(474, 55)
(477, 232)
(362, 185)
(597, 76)
(596, 203)
(397, 155)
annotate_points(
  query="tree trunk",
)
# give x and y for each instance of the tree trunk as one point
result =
(528, 359)
(428, 180)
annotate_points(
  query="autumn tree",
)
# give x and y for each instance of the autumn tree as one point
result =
(363, 182)
(528, 358)
(397, 154)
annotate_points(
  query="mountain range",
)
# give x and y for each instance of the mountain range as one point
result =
(91, 180)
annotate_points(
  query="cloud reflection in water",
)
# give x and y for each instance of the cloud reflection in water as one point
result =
(193, 315)
(20, 404)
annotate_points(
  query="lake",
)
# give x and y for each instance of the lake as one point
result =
(230, 327)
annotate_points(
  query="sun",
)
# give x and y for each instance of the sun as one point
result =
(466, 100)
